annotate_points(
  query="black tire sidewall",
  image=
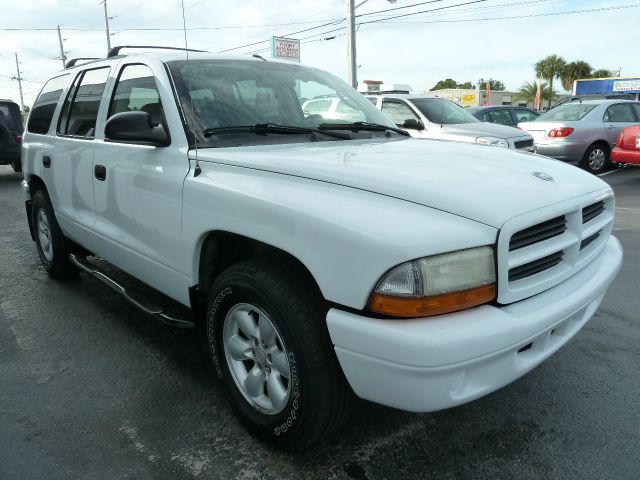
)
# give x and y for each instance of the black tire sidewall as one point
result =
(239, 288)
(17, 165)
(41, 202)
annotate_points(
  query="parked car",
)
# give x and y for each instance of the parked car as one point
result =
(503, 114)
(322, 260)
(332, 108)
(430, 117)
(10, 134)
(627, 149)
(583, 132)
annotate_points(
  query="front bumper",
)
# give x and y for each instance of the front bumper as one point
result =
(619, 155)
(429, 364)
(563, 150)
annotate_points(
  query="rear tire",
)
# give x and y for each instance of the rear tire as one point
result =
(596, 158)
(270, 345)
(53, 247)
(17, 166)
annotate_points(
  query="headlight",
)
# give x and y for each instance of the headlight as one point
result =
(493, 141)
(438, 284)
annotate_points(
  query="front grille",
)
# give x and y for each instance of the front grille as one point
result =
(537, 266)
(588, 241)
(537, 251)
(538, 233)
(523, 144)
(592, 211)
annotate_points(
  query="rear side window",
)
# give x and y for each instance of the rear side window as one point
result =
(137, 90)
(6, 118)
(619, 113)
(42, 111)
(502, 117)
(525, 115)
(80, 111)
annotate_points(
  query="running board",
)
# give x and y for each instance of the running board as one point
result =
(143, 304)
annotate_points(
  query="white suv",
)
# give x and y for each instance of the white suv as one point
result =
(322, 260)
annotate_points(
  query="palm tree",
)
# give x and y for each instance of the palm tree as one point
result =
(550, 68)
(574, 71)
(528, 92)
(602, 73)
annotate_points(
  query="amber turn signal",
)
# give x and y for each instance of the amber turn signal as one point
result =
(412, 307)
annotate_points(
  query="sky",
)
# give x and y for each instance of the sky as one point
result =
(460, 39)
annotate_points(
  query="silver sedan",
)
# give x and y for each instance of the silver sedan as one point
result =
(583, 132)
(438, 118)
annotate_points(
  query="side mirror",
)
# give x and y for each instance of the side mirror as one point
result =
(413, 124)
(135, 127)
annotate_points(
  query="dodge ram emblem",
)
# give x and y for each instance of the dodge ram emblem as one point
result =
(542, 176)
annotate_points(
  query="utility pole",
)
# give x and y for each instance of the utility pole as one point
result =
(352, 71)
(62, 55)
(19, 78)
(106, 26)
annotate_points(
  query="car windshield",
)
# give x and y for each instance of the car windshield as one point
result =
(442, 111)
(217, 95)
(570, 112)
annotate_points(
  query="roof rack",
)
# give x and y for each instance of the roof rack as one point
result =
(73, 61)
(116, 50)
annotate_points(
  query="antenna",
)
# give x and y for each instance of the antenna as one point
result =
(197, 170)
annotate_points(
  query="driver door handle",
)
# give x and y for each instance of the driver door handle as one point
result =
(100, 172)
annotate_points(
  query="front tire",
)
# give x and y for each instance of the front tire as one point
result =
(270, 345)
(53, 247)
(596, 158)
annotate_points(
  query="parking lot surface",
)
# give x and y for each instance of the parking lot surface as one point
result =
(90, 388)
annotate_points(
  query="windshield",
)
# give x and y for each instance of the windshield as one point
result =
(442, 111)
(567, 113)
(234, 93)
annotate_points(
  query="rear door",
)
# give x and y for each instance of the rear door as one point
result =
(616, 117)
(138, 188)
(71, 155)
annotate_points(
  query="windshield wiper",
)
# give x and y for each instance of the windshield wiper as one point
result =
(356, 126)
(264, 128)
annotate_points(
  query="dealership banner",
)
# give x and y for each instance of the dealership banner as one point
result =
(626, 85)
(285, 49)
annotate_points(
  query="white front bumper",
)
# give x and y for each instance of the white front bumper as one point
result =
(429, 364)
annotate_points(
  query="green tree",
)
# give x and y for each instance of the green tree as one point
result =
(574, 71)
(528, 92)
(601, 73)
(495, 85)
(447, 83)
(549, 69)
(467, 85)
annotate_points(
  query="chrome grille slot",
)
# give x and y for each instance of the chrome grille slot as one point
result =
(588, 241)
(592, 211)
(538, 233)
(537, 266)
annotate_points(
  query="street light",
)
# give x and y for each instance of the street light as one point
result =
(352, 73)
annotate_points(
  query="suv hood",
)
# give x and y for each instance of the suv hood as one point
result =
(483, 128)
(486, 184)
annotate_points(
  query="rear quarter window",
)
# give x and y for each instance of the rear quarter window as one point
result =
(45, 105)
(6, 117)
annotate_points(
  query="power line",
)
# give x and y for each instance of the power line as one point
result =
(532, 15)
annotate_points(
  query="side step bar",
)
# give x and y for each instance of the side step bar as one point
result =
(143, 304)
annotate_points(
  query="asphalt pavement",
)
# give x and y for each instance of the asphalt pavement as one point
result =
(90, 388)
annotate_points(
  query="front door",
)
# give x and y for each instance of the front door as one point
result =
(138, 192)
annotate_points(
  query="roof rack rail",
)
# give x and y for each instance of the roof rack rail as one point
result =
(73, 61)
(116, 50)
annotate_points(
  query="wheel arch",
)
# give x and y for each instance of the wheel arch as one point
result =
(221, 249)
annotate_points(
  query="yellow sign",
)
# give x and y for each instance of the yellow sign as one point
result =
(468, 99)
